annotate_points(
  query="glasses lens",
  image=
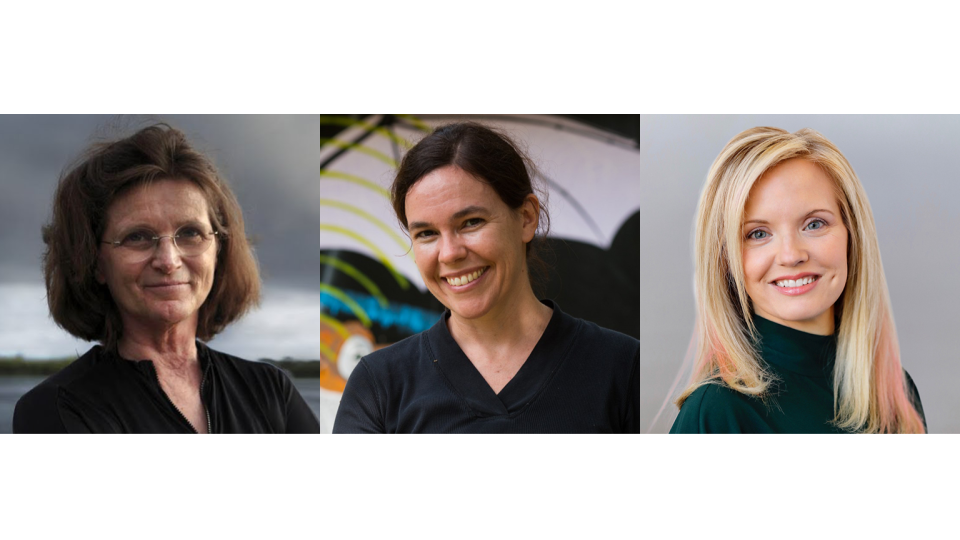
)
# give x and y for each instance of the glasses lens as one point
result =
(138, 246)
(192, 241)
(138, 241)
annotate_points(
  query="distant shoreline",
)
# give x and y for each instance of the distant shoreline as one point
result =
(17, 365)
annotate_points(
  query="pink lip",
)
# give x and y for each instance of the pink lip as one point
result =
(463, 272)
(468, 286)
(798, 276)
(796, 291)
(164, 285)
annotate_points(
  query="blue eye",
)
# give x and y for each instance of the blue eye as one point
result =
(758, 234)
(816, 225)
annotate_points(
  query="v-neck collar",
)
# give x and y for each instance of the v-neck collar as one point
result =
(524, 387)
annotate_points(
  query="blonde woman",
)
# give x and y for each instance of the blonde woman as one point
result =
(795, 329)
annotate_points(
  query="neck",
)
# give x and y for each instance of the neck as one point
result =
(512, 323)
(171, 347)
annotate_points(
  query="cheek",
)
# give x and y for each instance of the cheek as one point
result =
(831, 251)
(423, 258)
(504, 244)
(116, 274)
(755, 265)
(209, 268)
(212, 265)
(837, 255)
(202, 270)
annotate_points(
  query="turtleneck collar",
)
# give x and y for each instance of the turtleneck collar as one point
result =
(785, 348)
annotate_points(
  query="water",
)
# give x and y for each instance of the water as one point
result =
(12, 387)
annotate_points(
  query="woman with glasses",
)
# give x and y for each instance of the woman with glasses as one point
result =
(146, 254)
(500, 360)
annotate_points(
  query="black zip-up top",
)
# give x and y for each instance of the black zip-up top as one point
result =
(101, 392)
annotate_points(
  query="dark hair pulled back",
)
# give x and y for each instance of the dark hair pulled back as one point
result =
(489, 156)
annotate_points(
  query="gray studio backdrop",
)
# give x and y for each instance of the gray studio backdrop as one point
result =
(908, 166)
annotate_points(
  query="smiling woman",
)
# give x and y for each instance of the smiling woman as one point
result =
(146, 253)
(793, 222)
(499, 360)
(151, 281)
(795, 330)
(464, 237)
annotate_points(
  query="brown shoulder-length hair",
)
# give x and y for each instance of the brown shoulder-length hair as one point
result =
(489, 156)
(84, 307)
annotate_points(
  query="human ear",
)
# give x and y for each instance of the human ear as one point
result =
(530, 217)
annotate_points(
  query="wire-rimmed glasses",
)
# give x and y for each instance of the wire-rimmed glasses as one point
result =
(139, 245)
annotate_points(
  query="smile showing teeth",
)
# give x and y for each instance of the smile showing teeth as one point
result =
(466, 278)
(797, 282)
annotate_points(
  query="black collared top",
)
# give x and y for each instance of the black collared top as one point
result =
(101, 392)
(579, 378)
(799, 401)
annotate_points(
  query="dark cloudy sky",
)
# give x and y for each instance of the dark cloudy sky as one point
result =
(270, 161)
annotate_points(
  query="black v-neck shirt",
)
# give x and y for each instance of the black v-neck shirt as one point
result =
(579, 378)
(799, 401)
(101, 392)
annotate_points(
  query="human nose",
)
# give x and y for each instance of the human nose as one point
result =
(793, 251)
(166, 255)
(451, 249)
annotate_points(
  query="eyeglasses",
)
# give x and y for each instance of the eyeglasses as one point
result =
(140, 244)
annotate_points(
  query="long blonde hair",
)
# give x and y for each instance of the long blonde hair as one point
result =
(869, 388)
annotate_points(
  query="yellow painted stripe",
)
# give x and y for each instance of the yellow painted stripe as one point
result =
(328, 352)
(402, 281)
(361, 278)
(369, 217)
(416, 122)
(336, 325)
(356, 180)
(351, 122)
(360, 148)
(351, 304)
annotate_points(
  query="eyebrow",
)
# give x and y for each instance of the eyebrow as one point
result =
(189, 222)
(457, 215)
(765, 222)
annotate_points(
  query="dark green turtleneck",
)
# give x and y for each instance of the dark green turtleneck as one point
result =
(800, 401)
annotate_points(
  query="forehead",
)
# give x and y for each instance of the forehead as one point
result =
(445, 191)
(158, 204)
(796, 186)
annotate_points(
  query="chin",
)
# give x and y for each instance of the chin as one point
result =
(469, 310)
(467, 314)
(799, 314)
(173, 314)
